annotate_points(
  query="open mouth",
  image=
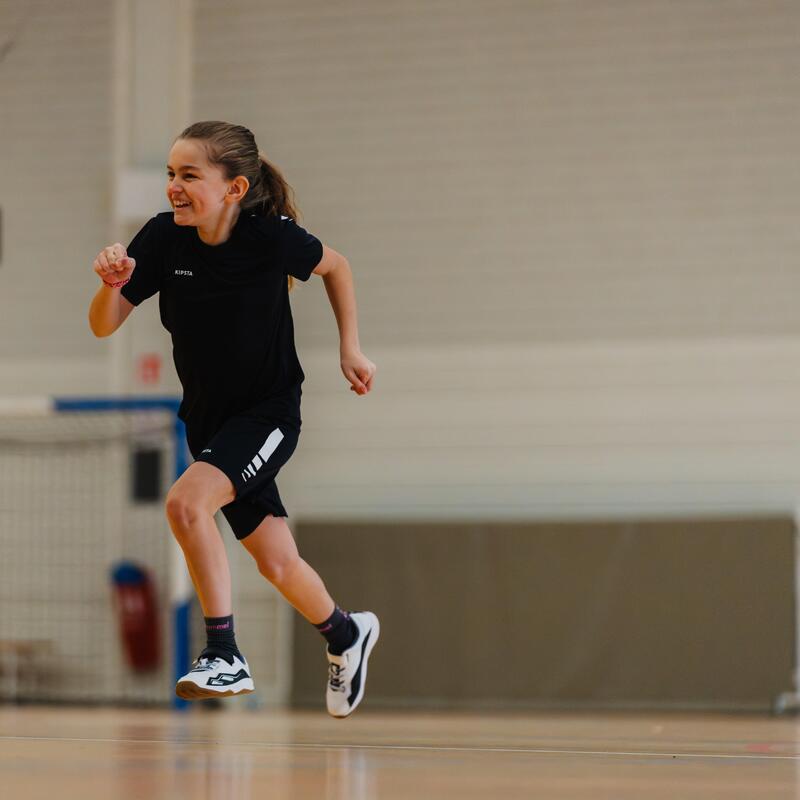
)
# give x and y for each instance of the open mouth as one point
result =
(181, 204)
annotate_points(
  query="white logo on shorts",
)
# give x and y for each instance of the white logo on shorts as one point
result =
(261, 457)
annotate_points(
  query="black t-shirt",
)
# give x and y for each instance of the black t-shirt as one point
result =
(227, 309)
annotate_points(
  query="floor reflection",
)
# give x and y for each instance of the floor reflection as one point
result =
(348, 774)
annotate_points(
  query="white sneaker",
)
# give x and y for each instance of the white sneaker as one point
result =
(212, 676)
(347, 673)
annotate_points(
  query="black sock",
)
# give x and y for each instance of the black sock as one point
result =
(220, 638)
(339, 630)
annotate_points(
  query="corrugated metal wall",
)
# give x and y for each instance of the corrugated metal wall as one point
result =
(589, 431)
(55, 129)
(530, 171)
(573, 229)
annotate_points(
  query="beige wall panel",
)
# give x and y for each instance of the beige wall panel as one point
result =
(55, 127)
(531, 171)
(552, 432)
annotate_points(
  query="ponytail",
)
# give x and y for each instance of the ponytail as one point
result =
(277, 196)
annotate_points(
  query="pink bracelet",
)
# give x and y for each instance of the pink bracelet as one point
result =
(116, 285)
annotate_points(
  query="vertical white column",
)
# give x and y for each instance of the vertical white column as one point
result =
(121, 69)
(151, 105)
(152, 82)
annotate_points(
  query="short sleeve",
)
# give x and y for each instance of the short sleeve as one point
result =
(301, 251)
(146, 277)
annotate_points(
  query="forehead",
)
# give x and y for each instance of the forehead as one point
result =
(188, 152)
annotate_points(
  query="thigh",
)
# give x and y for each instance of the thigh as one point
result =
(271, 540)
(246, 514)
(251, 452)
(204, 484)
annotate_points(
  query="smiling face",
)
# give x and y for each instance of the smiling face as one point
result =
(197, 190)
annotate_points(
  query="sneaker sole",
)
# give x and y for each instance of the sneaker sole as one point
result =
(187, 690)
(360, 696)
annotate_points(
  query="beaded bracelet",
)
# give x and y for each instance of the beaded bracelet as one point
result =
(116, 285)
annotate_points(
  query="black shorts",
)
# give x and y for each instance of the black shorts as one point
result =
(250, 451)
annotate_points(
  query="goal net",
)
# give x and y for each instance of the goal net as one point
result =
(81, 490)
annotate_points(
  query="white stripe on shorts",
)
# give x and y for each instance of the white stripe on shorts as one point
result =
(262, 456)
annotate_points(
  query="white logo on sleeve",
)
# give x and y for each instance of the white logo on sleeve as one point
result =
(186, 272)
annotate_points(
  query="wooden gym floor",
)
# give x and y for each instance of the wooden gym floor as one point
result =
(121, 754)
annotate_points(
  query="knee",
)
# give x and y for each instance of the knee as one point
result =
(277, 569)
(182, 511)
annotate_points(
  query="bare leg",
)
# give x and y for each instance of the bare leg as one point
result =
(273, 547)
(191, 504)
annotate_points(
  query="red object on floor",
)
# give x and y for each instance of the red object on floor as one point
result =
(137, 614)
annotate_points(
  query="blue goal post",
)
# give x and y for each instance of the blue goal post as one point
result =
(180, 584)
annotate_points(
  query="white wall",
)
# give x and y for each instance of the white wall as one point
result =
(573, 229)
(55, 191)
(564, 184)
(85, 93)
(563, 431)
(540, 171)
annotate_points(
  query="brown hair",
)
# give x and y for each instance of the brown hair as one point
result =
(234, 149)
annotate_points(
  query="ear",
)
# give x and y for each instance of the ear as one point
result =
(237, 189)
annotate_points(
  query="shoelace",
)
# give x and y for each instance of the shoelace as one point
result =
(204, 664)
(334, 677)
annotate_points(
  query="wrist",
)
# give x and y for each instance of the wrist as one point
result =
(117, 285)
(349, 349)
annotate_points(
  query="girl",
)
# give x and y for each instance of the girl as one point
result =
(223, 261)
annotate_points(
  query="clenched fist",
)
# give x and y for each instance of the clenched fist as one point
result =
(358, 370)
(113, 265)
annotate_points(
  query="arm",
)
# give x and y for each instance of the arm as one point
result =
(109, 309)
(338, 279)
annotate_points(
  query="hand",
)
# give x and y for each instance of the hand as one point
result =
(359, 370)
(113, 265)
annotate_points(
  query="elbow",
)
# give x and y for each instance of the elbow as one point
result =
(339, 267)
(99, 332)
(332, 263)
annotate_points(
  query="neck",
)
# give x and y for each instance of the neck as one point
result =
(219, 231)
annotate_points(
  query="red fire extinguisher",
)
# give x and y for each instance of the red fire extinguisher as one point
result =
(137, 614)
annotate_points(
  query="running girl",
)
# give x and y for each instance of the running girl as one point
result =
(223, 261)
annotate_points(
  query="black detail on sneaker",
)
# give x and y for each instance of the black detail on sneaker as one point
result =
(356, 684)
(334, 679)
(227, 678)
